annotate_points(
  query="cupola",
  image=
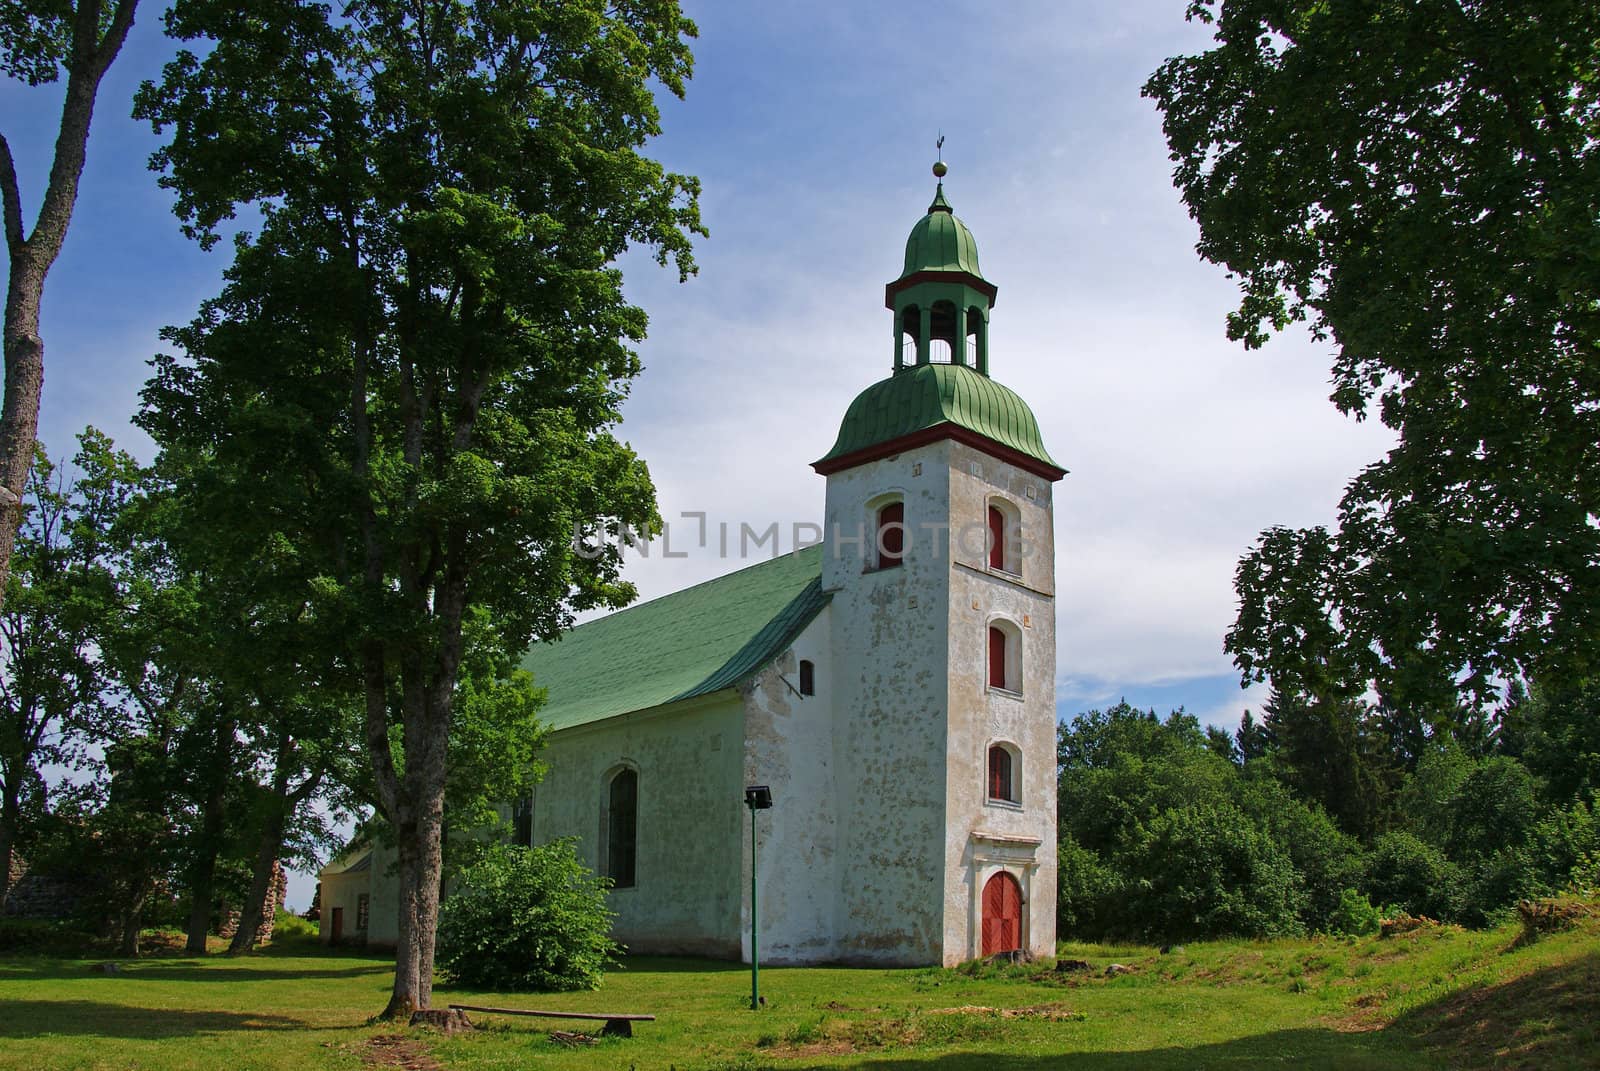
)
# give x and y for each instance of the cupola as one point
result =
(941, 301)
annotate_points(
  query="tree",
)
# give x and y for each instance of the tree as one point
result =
(39, 39)
(417, 358)
(50, 683)
(1420, 183)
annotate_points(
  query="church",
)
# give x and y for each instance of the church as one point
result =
(893, 686)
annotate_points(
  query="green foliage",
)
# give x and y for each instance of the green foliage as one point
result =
(1355, 916)
(1088, 892)
(1209, 871)
(1421, 185)
(1416, 877)
(526, 919)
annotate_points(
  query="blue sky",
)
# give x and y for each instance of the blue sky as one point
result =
(812, 128)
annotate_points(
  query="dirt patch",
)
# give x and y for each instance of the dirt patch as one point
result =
(1054, 1013)
(399, 1050)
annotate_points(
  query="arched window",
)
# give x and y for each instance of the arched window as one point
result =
(1005, 657)
(808, 677)
(622, 827)
(1003, 778)
(890, 536)
(1004, 538)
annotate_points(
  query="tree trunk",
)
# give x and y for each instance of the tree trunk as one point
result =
(270, 847)
(202, 876)
(407, 996)
(32, 255)
(129, 919)
(10, 818)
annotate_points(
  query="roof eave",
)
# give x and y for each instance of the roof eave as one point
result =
(942, 430)
(929, 275)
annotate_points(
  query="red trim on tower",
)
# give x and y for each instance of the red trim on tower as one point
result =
(981, 285)
(945, 430)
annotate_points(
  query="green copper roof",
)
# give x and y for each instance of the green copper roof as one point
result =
(941, 242)
(927, 395)
(690, 643)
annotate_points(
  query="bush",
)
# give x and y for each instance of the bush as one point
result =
(1207, 872)
(526, 918)
(1087, 891)
(1413, 876)
(1355, 916)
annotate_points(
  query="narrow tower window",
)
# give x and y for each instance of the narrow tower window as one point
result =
(997, 657)
(997, 538)
(1005, 657)
(1005, 536)
(808, 677)
(622, 825)
(891, 534)
(1002, 779)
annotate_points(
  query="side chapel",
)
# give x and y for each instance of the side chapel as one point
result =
(893, 685)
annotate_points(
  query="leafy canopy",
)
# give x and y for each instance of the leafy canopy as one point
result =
(1419, 183)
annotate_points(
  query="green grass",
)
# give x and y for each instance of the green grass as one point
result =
(1436, 998)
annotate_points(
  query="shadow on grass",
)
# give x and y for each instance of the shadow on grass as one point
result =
(1548, 1020)
(93, 1018)
(240, 971)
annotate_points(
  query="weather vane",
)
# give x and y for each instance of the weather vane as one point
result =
(939, 168)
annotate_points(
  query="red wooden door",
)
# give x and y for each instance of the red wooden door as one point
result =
(1002, 914)
(337, 930)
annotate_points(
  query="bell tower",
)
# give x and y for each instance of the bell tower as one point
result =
(940, 559)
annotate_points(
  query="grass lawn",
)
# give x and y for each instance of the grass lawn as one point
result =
(1435, 998)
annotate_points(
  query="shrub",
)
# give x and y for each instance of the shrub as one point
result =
(526, 918)
(1355, 916)
(1087, 891)
(1413, 876)
(1210, 871)
(1327, 859)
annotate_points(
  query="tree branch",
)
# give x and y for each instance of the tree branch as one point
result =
(13, 199)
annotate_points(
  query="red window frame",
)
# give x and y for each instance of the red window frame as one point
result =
(997, 657)
(891, 534)
(1001, 774)
(997, 538)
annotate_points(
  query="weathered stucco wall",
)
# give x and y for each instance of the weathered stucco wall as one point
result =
(889, 661)
(789, 747)
(984, 836)
(691, 838)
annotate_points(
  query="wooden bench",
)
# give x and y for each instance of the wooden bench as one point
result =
(617, 1024)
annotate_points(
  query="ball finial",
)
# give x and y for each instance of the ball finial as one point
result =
(940, 170)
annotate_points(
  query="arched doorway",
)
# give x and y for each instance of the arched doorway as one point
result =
(1002, 914)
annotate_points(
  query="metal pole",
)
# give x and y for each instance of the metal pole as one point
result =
(755, 923)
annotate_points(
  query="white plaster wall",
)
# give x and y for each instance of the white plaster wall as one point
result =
(692, 839)
(889, 663)
(788, 746)
(983, 837)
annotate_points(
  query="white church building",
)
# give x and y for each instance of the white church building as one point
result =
(894, 686)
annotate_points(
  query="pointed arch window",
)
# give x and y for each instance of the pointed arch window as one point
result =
(808, 677)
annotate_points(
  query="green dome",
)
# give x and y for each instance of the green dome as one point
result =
(941, 242)
(925, 396)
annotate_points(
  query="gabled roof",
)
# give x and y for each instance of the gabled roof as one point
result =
(690, 643)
